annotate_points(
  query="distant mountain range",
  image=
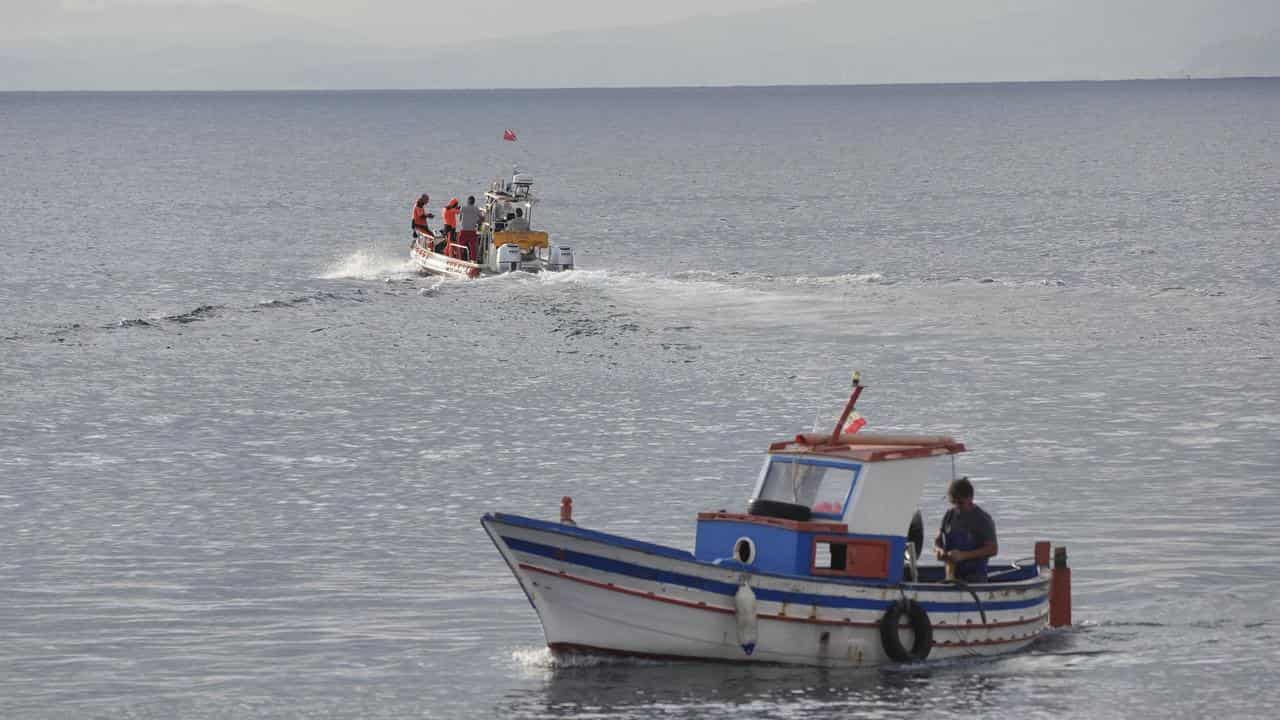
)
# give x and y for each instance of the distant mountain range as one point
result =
(822, 42)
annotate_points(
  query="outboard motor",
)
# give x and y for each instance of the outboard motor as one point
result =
(508, 257)
(560, 258)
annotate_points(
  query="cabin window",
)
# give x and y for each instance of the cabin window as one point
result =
(827, 556)
(823, 488)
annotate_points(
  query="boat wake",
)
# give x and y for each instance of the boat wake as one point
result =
(369, 265)
(783, 281)
(310, 299)
(751, 299)
(196, 315)
(542, 658)
(209, 312)
(199, 314)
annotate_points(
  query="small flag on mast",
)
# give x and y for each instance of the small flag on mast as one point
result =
(509, 135)
(856, 422)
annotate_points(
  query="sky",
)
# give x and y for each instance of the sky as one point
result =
(341, 44)
(399, 21)
(497, 18)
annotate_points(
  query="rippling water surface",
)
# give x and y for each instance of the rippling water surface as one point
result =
(244, 449)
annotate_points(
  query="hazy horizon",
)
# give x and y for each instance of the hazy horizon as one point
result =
(397, 44)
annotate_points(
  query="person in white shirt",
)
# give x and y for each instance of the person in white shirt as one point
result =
(468, 222)
(519, 223)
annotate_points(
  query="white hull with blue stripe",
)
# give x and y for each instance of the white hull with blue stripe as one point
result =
(819, 571)
(599, 593)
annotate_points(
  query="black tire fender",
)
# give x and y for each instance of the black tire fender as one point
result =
(915, 532)
(921, 626)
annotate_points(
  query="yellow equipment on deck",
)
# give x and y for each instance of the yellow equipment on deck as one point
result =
(526, 239)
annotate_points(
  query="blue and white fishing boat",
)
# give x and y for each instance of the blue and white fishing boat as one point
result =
(819, 570)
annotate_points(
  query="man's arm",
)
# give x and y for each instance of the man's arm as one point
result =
(987, 533)
(939, 542)
(987, 549)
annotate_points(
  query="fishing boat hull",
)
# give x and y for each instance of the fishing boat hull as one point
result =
(601, 593)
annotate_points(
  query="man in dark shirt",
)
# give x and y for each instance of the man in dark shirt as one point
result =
(967, 536)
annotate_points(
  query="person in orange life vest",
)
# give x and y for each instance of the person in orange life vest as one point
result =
(420, 216)
(468, 222)
(967, 536)
(450, 214)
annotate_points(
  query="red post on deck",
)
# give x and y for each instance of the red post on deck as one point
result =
(1060, 590)
(1042, 553)
(566, 510)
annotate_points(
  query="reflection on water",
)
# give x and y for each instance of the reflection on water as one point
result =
(710, 690)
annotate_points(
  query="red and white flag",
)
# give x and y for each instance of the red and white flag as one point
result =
(509, 135)
(856, 422)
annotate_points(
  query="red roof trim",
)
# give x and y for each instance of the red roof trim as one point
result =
(870, 447)
(797, 525)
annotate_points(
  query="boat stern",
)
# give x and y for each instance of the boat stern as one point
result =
(434, 263)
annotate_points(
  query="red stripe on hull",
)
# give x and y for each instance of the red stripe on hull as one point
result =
(577, 649)
(452, 266)
(786, 618)
(627, 591)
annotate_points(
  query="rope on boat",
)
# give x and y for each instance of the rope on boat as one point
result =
(965, 586)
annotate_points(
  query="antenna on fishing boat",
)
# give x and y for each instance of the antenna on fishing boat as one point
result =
(848, 407)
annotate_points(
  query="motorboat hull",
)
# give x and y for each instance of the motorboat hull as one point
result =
(605, 594)
(427, 261)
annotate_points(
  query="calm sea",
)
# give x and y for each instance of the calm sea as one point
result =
(244, 449)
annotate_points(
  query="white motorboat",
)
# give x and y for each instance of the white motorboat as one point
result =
(506, 239)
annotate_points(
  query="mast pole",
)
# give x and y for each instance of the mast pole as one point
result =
(848, 407)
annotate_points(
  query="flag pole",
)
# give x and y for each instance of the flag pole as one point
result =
(510, 135)
(848, 407)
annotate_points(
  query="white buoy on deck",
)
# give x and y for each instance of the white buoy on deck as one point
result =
(744, 602)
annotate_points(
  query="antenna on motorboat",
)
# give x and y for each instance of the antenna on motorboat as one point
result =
(848, 407)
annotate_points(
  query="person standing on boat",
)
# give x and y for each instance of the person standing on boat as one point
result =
(468, 222)
(420, 216)
(450, 214)
(967, 536)
(519, 223)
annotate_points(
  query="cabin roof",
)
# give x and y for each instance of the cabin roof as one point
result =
(508, 197)
(868, 447)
